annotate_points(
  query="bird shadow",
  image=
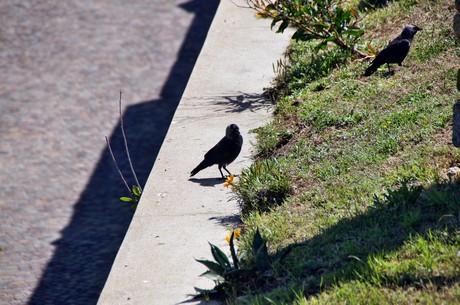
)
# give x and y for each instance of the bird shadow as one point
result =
(371, 5)
(207, 182)
(388, 74)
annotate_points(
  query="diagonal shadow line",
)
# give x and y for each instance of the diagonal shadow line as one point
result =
(340, 253)
(84, 254)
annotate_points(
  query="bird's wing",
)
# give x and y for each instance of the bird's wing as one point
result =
(223, 152)
(395, 52)
(217, 150)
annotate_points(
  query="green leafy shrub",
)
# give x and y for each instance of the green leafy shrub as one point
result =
(322, 20)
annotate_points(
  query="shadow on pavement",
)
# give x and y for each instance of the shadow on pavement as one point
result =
(84, 254)
(240, 102)
(228, 220)
(207, 181)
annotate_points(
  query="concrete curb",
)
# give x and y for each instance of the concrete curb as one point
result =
(177, 216)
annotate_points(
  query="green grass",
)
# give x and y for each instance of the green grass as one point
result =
(362, 167)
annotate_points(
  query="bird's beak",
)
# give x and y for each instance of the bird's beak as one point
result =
(418, 28)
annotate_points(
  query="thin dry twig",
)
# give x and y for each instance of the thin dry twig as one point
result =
(126, 143)
(117, 167)
(240, 6)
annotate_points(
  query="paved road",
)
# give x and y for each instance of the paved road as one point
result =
(62, 64)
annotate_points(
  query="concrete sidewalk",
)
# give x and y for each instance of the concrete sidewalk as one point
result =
(177, 216)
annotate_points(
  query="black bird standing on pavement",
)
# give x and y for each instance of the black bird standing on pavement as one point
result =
(224, 152)
(396, 51)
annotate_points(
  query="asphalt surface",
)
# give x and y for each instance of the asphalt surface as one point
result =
(62, 64)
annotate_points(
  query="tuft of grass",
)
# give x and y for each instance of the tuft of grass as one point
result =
(308, 63)
(262, 186)
(370, 209)
(271, 137)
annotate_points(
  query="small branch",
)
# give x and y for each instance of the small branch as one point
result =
(367, 57)
(126, 143)
(117, 167)
(361, 54)
(240, 6)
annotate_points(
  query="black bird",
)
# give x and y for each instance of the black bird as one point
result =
(224, 152)
(396, 51)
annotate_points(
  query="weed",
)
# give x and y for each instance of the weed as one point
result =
(237, 276)
(135, 191)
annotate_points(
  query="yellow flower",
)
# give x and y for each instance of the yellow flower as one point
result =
(229, 181)
(236, 234)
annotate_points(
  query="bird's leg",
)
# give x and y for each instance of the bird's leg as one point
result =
(227, 170)
(223, 177)
(390, 72)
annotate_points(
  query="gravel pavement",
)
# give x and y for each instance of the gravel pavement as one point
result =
(62, 64)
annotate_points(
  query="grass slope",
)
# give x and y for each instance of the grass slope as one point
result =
(374, 202)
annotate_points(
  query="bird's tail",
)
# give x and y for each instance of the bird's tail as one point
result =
(200, 167)
(371, 69)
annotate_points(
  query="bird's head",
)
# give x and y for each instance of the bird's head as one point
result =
(232, 131)
(409, 31)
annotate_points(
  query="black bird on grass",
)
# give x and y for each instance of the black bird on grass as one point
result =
(396, 51)
(224, 152)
